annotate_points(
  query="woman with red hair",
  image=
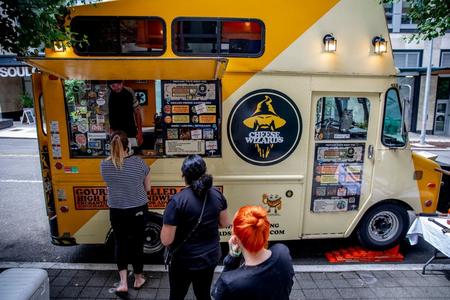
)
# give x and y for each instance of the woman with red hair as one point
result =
(266, 273)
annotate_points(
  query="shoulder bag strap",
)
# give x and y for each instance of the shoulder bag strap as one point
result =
(188, 236)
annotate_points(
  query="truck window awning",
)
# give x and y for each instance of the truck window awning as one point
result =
(132, 68)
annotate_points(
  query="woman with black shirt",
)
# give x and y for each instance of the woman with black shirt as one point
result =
(266, 274)
(128, 180)
(196, 257)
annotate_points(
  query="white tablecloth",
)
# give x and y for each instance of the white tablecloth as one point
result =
(431, 233)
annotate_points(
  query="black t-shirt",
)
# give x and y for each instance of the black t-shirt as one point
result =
(271, 279)
(121, 112)
(202, 250)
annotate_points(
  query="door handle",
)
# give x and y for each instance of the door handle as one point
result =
(370, 152)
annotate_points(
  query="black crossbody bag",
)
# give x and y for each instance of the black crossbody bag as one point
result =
(169, 253)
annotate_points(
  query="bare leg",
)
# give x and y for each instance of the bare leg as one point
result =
(123, 285)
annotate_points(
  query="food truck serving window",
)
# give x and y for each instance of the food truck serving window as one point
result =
(178, 117)
(119, 35)
(224, 37)
(342, 118)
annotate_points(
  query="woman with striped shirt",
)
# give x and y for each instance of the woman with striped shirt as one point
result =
(128, 180)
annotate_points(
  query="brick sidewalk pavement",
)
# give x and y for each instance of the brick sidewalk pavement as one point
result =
(84, 284)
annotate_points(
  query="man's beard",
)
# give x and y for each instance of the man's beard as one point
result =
(264, 150)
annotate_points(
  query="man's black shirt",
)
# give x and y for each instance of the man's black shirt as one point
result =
(121, 112)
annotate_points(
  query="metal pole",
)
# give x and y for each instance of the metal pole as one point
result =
(425, 98)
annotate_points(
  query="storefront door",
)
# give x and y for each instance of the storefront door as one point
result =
(442, 117)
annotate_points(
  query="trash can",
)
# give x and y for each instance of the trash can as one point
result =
(24, 284)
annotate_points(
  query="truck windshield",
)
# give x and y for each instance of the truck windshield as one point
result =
(392, 133)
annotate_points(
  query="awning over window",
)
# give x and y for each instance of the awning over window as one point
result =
(10, 61)
(132, 68)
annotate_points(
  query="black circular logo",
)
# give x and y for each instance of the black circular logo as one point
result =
(264, 127)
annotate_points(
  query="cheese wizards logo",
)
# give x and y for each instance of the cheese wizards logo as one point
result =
(264, 127)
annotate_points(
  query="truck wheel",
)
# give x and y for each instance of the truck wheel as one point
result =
(152, 242)
(383, 227)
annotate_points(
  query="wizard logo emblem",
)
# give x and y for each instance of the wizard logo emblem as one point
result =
(264, 127)
(264, 122)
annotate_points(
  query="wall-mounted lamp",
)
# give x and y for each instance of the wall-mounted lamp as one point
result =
(330, 43)
(379, 45)
(58, 46)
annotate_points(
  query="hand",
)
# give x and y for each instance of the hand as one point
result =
(233, 244)
(139, 138)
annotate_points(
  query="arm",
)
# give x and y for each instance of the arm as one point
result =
(220, 290)
(138, 120)
(168, 234)
(233, 260)
(224, 221)
(147, 183)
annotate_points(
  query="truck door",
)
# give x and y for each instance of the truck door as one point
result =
(43, 141)
(341, 161)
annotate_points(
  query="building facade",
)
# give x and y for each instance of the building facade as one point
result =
(15, 83)
(411, 58)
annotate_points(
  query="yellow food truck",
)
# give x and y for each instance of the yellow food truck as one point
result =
(294, 106)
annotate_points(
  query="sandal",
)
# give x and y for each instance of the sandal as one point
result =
(121, 294)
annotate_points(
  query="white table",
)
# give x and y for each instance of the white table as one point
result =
(432, 234)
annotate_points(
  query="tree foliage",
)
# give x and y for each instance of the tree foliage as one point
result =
(431, 16)
(27, 26)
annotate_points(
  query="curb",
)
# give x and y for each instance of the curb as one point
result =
(297, 268)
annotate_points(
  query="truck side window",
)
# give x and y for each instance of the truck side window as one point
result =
(120, 35)
(212, 37)
(392, 121)
(342, 118)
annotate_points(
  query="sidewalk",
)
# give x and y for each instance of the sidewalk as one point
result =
(432, 142)
(19, 131)
(370, 284)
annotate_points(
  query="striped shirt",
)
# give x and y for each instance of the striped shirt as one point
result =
(126, 185)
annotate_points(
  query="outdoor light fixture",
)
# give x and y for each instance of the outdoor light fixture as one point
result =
(330, 43)
(58, 46)
(379, 45)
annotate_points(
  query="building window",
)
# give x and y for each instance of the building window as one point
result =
(443, 88)
(407, 59)
(406, 19)
(224, 37)
(120, 35)
(388, 11)
(445, 58)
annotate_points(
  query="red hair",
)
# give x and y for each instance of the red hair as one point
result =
(251, 226)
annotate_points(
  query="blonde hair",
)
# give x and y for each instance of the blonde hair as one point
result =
(119, 144)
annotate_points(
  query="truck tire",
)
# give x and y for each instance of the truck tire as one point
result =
(383, 227)
(152, 242)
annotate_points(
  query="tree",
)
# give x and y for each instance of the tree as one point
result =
(27, 26)
(431, 16)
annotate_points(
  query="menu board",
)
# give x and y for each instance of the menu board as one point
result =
(337, 177)
(191, 117)
(89, 127)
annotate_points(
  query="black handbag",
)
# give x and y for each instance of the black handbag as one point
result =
(169, 253)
